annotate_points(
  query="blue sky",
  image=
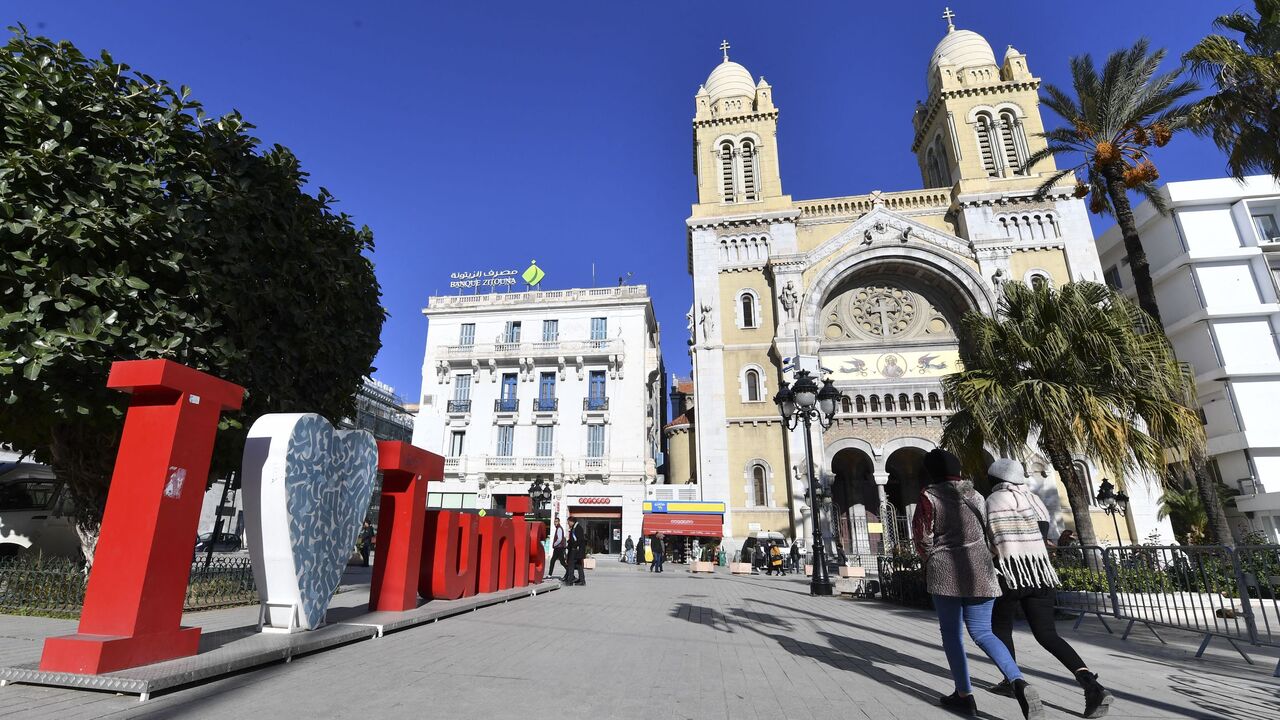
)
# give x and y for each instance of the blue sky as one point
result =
(486, 134)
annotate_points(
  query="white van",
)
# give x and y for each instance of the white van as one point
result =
(35, 512)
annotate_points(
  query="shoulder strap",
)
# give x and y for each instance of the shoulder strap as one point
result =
(982, 522)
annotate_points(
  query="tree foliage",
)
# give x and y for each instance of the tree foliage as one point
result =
(134, 226)
(1243, 114)
(1079, 371)
(1115, 118)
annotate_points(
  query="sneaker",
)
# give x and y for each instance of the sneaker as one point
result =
(966, 705)
(1029, 700)
(1004, 687)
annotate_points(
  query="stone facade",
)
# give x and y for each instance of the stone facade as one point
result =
(866, 289)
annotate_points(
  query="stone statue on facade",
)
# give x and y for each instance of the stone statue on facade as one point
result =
(790, 300)
(708, 322)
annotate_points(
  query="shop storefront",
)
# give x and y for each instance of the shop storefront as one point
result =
(685, 525)
(608, 514)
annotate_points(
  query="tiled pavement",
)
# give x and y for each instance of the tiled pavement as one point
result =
(631, 644)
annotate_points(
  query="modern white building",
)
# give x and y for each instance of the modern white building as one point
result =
(1214, 261)
(565, 386)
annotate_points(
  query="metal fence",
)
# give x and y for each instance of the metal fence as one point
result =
(1211, 590)
(54, 587)
(902, 580)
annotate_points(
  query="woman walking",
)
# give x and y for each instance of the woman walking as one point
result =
(950, 534)
(1019, 525)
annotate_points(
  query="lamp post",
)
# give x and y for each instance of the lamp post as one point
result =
(804, 402)
(540, 495)
(1113, 503)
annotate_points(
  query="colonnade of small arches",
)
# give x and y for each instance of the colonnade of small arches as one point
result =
(744, 249)
(890, 403)
(1030, 226)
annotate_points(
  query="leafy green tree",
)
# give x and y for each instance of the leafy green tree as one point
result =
(1186, 513)
(136, 227)
(1079, 372)
(1243, 115)
(1115, 118)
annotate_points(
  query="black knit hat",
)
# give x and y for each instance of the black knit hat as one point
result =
(941, 464)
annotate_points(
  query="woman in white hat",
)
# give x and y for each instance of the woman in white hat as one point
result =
(1019, 524)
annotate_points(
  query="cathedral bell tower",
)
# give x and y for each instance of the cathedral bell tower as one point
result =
(980, 120)
(735, 150)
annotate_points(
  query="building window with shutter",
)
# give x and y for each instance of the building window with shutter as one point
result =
(726, 171)
(748, 155)
(987, 139)
(595, 441)
(467, 334)
(456, 439)
(506, 440)
(545, 440)
(550, 330)
(599, 328)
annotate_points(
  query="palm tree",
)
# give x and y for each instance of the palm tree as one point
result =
(1078, 371)
(1184, 508)
(1243, 116)
(1115, 118)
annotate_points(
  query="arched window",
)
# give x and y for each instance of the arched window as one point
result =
(933, 402)
(944, 168)
(845, 405)
(875, 403)
(932, 175)
(748, 170)
(919, 402)
(753, 386)
(1039, 281)
(861, 403)
(1011, 140)
(888, 403)
(759, 486)
(1082, 472)
(985, 127)
(726, 170)
(748, 302)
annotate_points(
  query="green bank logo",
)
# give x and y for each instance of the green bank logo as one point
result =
(534, 274)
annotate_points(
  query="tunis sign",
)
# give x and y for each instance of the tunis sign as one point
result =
(307, 490)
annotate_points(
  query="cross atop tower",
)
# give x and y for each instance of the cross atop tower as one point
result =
(724, 48)
(949, 16)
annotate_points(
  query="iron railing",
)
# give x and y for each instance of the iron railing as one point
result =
(902, 580)
(595, 403)
(506, 405)
(547, 404)
(54, 587)
(459, 406)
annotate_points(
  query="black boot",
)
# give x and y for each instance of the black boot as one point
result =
(1029, 700)
(964, 705)
(1097, 700)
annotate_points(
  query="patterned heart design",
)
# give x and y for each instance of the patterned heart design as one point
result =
(307, 488)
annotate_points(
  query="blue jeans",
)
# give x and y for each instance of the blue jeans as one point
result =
(975, 613)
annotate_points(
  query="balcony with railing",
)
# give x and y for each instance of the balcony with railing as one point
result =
(539, 349)
(545, 404)
(459, 407)
(598, 404)
(506, 405)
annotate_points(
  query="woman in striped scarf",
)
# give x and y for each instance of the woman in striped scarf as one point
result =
(1019, 525)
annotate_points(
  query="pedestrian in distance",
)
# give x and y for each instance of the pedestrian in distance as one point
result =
(659, 552)
(1019, 524)
(366, 543)
(775, 560)
(1067, 537)
(559, 544)
(950, 533)
(795, 556)
(757, 558)
(628, 550)
(577, 553)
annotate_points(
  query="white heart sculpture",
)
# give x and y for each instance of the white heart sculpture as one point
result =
(306, 490)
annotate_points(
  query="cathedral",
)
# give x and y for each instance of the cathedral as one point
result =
(867, 290)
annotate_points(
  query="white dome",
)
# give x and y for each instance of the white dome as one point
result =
(962, 48)
(729, 79)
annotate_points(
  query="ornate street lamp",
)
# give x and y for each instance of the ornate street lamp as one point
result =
(1113, 503)
(803, 402)
(540, 494)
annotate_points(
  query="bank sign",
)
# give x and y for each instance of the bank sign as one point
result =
(496, 278)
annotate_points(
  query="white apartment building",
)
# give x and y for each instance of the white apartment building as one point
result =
(560, 385)
(1214, 260)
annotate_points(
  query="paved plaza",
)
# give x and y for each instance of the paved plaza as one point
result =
(632, 644)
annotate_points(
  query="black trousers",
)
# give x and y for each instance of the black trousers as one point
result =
(556, 554)
(1037, 606)
(575, 567)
